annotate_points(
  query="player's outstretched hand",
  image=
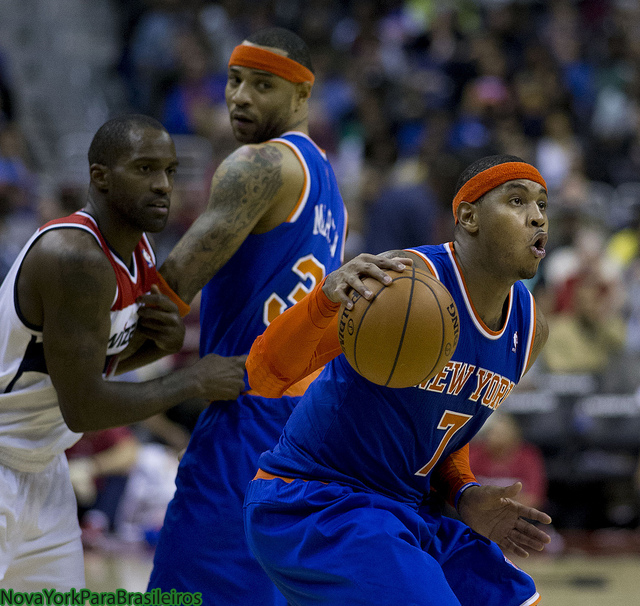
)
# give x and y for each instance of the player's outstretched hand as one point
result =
(160, 321)
(348, 277)
(220, 378)
(493, 512)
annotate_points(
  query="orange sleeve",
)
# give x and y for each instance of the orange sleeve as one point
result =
(454, 474)
(298, 342)
(165, 289)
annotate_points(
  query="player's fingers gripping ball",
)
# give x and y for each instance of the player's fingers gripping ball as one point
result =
(403, 335)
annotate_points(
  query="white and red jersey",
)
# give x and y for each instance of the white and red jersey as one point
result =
(33, 431)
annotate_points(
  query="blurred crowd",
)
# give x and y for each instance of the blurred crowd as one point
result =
(408, 93)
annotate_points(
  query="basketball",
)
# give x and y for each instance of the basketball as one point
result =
(404, 334)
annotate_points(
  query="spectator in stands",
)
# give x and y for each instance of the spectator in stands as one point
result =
(99, 466)
(18, 216)
(624, 249)
(191, 102)
(589, 333)
(558, 151)
(586, 294)
(406, 211)
(152, 53)
(123, 485)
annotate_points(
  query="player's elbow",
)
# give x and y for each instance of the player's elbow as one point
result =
(73, 418)
(73, 421)
(263, 383)
(77, 417)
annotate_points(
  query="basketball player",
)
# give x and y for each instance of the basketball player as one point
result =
(72, 303)
(333, 514)
(274, 227)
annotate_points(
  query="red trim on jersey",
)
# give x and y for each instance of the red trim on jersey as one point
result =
(130, 284)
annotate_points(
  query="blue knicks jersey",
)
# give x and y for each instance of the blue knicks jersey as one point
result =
(274, 270)
(352, 431)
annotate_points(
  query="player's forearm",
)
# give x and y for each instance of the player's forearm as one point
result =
(299, 341)
(99, 404)
(190, 265)
(453, 475)
(146, 354)
(207, 245)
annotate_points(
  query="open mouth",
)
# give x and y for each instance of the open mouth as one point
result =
(538, 246)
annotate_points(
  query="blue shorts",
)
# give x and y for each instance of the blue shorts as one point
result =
(202, 546)
(330, 544)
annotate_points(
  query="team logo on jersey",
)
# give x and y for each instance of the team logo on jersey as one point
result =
(147, 257)
(515, 342)
(121, 338)
(490, 388)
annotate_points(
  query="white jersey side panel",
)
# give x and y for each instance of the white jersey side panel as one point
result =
(32, 431)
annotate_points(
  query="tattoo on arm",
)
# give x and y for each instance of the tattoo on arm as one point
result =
(246, 187)
(243, 189)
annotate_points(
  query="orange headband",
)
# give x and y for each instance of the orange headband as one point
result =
(259, 58)
(478, 186)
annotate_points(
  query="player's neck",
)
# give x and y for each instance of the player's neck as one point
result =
(299, 124)
(488, 291)
(122, 238)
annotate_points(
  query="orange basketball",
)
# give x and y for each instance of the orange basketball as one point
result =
(405, 334)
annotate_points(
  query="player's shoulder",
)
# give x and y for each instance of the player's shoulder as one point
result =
(525, 297)
(268, 154)
(261, 154)
(68, 247)
(429, 257)
(65, 265)
(429, 250)
(269, 162)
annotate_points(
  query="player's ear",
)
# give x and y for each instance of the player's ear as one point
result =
(99, 175)
(468, 217)
(303, 92)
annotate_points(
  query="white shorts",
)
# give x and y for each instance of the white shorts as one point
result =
(40, 545)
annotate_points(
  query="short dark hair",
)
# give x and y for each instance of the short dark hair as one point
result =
(483, 164)
(284, 39)
(111, 140)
